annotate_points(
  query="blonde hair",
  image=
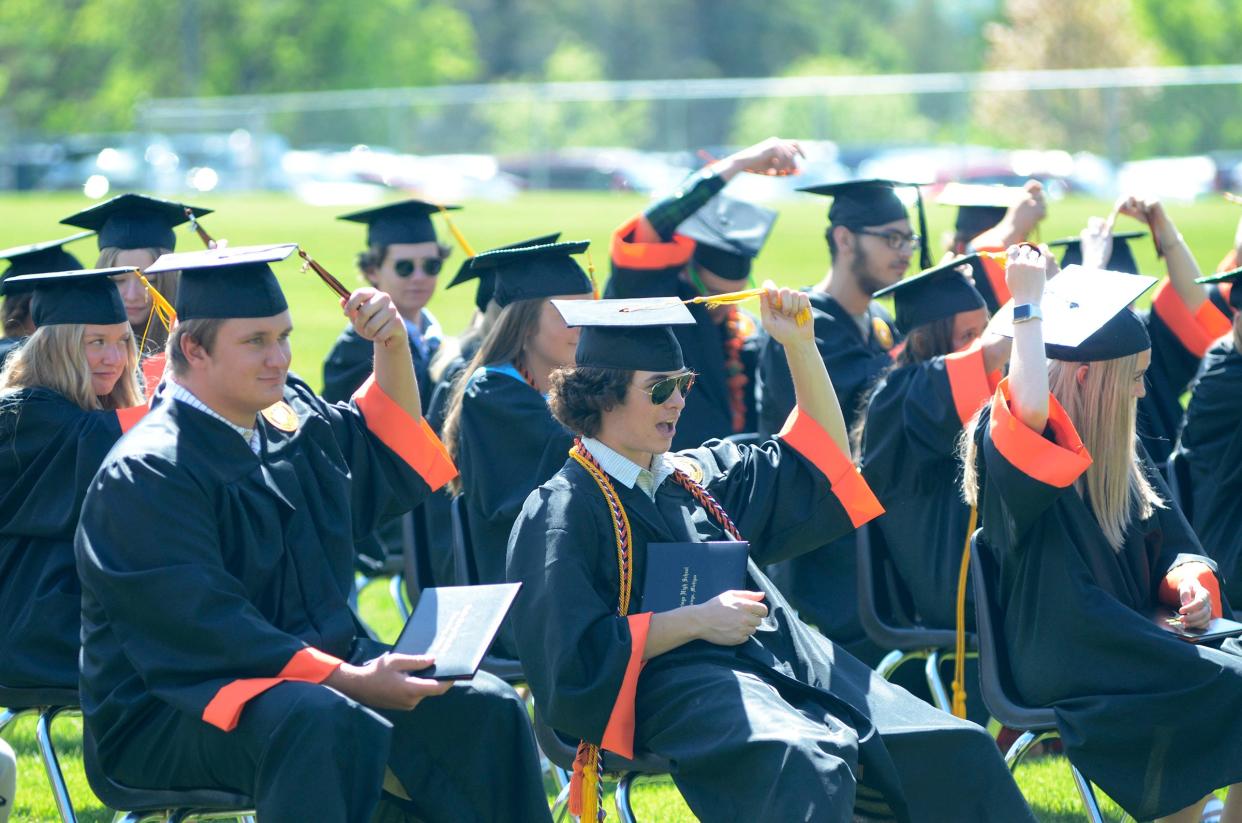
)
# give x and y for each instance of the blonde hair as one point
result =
(1104, 412)
(54, 357)
(165, 283)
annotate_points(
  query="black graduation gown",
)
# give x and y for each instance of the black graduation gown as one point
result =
(7, 345)
(50, 448)
(774, 729)
(909, 459)
(1152, 720)
(232, 590)
(653, 270)
(823, 585)
(1179, 340)
(1211, 441)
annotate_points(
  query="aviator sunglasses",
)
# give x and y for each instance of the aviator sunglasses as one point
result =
(430, 265)
(660, 392)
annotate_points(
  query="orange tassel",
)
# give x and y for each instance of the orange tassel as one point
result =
(584, 785)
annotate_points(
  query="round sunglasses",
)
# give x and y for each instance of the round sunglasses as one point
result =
(430, 265)
(660, 392)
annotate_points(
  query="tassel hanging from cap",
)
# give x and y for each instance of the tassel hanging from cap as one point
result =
(160, 307)
(457, 235)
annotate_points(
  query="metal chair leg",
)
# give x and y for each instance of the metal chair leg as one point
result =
(396, 588)
(935, 684)
(625, 812)
(1024, 744)
(560, 808)
(1087, 792)
(894, 660)
(43, 735)
(9, 716)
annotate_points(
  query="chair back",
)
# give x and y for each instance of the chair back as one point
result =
(884, 603)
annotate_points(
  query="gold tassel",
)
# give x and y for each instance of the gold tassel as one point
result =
(733, 297)
(959, 659)
(584, 785)
(159, 307)
(457, 235)
(591, 275)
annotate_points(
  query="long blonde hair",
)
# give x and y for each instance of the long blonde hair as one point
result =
(54, 357)
(165, 283)
(1104, 412)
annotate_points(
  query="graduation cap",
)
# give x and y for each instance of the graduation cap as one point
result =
(1231, 277)
(236, 281)
(728, 235)
(406, 222)
(532, 272)
(1122, 258)
(38, 258)
(135, 221)
(857, 204)
(630, 335)
(1087, 315)
(79, 296)
(939, 292)
(979, 206)
(487, 277)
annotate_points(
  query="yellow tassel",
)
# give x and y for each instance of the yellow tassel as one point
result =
(733, 297)
(1001, 257)
(159, 307)
(591, 275)
(457, 235)
(584, 785)
(959, 659)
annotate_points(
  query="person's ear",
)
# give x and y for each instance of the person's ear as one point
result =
(193, 351)
(1080, 374)
(843, 237)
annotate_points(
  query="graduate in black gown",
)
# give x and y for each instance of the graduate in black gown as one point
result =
(499, 429)
(1182, 322)
(38, 258)
(66, 396)
(989, 220)
(698, 242)
(871, 243)
(946, 370)
(219, 649)
(1088, 544)
(1211, 444)
(762, 717)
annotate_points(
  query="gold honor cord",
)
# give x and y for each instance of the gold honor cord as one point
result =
(959, 659)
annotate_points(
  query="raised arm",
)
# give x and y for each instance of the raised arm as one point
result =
(375, 318)
(1025, 275)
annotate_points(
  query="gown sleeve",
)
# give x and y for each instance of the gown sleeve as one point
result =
(645, 269)
(580, 657)
(1026, 471)
(790, 495)
(941, 397)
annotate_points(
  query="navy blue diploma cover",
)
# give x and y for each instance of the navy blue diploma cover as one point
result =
(455, 624)
(682, 574)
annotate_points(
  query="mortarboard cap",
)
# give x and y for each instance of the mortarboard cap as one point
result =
(939, 292)
(979, 206)
(406, 222)
(1122, 258)
(235, 281)
(80, 296)
(487, 277)
(630, 335)
(1087, 315)
(857, 204)
(1231, 278)
(533, 272)
(134, 221)
(728, 235)
(39, 258)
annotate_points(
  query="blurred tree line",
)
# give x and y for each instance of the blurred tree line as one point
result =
(82, 65)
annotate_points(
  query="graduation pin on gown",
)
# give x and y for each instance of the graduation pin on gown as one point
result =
(1152, 720)
(50, 448)
(774, 729)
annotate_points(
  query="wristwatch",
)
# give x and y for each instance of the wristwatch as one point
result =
(1027, 311)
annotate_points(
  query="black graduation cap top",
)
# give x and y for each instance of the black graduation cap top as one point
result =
(487, 277)
(629, 335)
(728, 235)
(80, 296)
(1087, 315)
(939, 292)
(235, 281)
(1232, 277)
(406, 222)
(858, 204)
(38, 258)
(535, 272)
(135, 221)
(1122, 258)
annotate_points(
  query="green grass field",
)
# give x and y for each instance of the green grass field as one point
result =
(796, 255)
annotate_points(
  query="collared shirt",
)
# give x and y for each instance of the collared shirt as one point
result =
(626, 471)
(181, 393)
(424, 334)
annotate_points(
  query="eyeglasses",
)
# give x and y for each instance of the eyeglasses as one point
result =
(660, 392)
(430, 265)
(896, 240)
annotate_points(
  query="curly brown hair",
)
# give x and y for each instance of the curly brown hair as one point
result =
(580, 395)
